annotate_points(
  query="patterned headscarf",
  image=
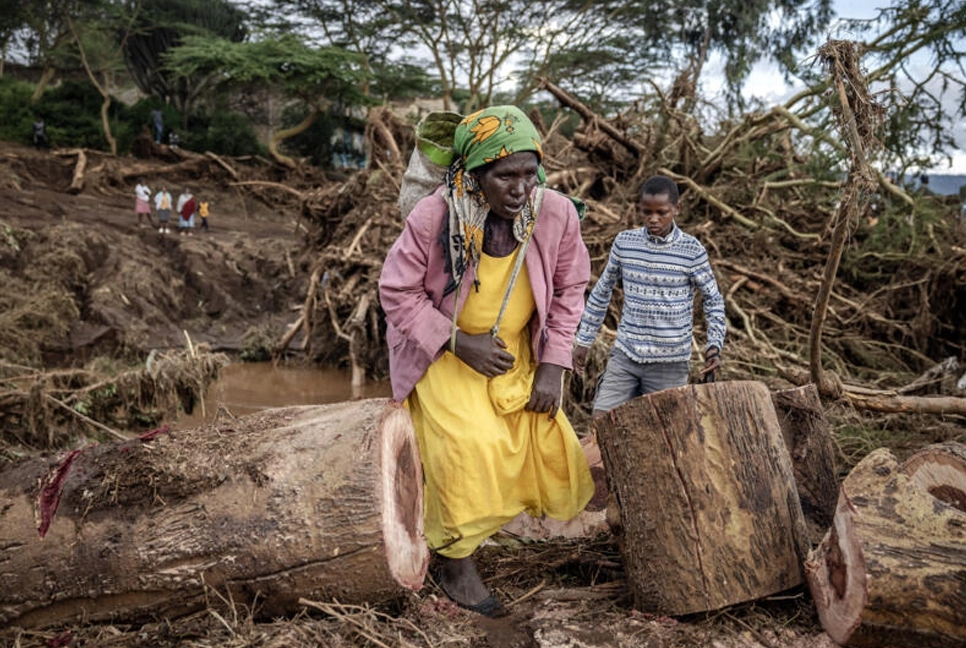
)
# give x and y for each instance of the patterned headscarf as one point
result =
(483, 137)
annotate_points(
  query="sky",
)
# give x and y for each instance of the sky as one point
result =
(766, 82)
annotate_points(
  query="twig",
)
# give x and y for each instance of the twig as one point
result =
(101, 426)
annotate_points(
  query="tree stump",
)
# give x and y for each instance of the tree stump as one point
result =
(892, 569)
(809, 443)
(706, 494)
(320, 502)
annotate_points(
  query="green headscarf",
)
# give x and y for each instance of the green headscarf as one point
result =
(483, 137)
(494, 133)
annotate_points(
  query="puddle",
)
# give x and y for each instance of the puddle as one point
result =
(247, 387)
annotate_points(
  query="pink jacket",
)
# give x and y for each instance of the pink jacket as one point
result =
(419, 317)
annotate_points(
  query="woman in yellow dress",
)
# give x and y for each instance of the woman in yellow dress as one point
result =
(483, 292)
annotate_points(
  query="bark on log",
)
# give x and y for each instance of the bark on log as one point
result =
(892, 569)
(809, 443)
(320, 502)
(706, 494)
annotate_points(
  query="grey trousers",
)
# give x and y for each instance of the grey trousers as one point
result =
(624, 379)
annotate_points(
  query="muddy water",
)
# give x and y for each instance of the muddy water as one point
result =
(246, 387)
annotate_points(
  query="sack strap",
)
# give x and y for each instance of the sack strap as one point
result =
(521, 256)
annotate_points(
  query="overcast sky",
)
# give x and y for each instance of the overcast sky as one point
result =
(767, 83)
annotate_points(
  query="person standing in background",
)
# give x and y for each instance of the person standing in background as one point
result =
(40, 134)
(186, 212)
(142, 195)
(158, 120)
(162, 203)
(203, 212)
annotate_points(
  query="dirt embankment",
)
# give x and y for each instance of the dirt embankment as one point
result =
(79, 278)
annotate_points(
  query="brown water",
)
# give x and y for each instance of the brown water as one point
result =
(246, 387)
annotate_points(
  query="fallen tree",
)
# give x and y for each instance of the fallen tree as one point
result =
(890, 571)
(320, 502)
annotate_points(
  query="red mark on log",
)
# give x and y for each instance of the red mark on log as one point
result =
(53, 485)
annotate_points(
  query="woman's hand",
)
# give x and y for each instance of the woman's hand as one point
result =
(547, 388)
(484, 353)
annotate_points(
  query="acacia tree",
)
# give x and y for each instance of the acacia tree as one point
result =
(99, 33)
(40, 28)
(599, 48)
(162, 25)
(10, 22)
(315, 77)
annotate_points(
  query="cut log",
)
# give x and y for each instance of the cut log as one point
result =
(809, 442)
(707, 497)
(892, 569)
(320, 502)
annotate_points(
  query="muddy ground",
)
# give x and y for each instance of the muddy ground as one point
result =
(134, 288)
(85, 283)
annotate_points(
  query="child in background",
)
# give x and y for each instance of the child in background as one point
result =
(203, 212)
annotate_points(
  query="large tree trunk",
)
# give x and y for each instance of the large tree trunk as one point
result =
(892, 569)
(321, 502)
(707, 498)
(809, 442)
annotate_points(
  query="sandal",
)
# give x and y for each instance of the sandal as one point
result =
(488, 607)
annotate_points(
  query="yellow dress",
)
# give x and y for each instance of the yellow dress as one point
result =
(485, 458)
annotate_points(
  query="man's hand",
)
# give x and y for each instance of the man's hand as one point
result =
(547, 388)
(712, 362)
(484, 353)
(580, 358)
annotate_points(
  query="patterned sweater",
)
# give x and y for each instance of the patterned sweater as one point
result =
(659, 276)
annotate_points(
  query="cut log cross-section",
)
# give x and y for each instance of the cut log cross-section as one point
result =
(892, 569)
(707, 498)
(319, 502)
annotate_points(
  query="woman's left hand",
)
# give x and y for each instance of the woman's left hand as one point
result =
(547, 388)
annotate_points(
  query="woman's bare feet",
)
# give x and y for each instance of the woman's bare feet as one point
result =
(460, 581)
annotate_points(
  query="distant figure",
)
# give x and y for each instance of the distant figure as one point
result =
(158, 119)
(186, 212)
(924, 185)
(40, 134)
(162, 202)
(203, 212)
(173, 139)
(141, 207)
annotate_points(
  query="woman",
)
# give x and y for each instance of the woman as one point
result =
(483, 292)
(186, 212)
(141, 206)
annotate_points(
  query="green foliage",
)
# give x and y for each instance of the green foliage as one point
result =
(72, 112)
(224, 133)
(162, 25)
(311, 74)
(18, 117)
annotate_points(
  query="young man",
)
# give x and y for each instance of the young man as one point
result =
(660, 267)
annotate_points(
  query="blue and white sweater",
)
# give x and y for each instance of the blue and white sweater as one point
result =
(659, 276)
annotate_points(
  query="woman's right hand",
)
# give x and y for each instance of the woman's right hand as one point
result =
(484, 353)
